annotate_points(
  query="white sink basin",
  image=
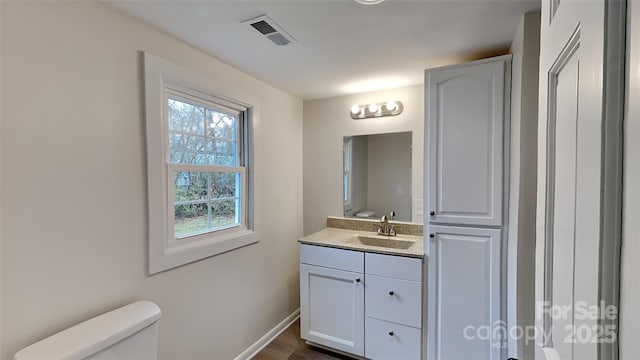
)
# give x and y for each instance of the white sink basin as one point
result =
(390, 242)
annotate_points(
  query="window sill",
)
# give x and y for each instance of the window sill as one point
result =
(184, 254)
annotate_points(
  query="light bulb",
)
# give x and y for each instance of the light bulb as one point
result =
(391, 105)
(355, 109)
(373, 108)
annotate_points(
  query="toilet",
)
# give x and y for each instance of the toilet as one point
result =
(129, 332)
(367, 214)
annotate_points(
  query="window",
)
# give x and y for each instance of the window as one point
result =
(347, 149)
(198, 157)
(204, 165)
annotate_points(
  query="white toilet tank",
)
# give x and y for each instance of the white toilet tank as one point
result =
(130, 332)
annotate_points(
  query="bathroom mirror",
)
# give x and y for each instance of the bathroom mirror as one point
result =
(377, 175)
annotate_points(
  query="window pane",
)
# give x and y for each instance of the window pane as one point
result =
(222, 152)
(345, 183)
(225, 185)
(224, 212)
(222, 126)
(187, 149)
(191, 219)
(201, 135)
(185, 118)
(206, 201)
(190, 186)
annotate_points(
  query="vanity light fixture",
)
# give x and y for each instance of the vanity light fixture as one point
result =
(389, 108)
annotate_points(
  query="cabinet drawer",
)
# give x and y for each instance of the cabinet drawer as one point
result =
(394, 300)
(332, 258)
(394, 266)
(385, 341)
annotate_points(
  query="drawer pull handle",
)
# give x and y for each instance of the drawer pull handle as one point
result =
(432, 235)
(390, 333)
(358, 280)
(391, 293)
(432, 213)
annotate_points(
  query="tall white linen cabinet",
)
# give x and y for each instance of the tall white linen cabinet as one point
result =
(466, 173)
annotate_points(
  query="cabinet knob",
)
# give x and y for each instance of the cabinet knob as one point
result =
(432, 235)
(390, 333)
(432, 213)
(358, 280)
(391, 293)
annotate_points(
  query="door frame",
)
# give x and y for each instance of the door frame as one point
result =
(629, 313)
(612, 167)
(611, 170)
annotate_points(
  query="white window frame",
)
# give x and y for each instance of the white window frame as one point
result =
(204, 100)
(165, 251)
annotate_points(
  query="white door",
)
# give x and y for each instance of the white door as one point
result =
(332, 308)
(569, 271)
(464, 122)
(464, 294)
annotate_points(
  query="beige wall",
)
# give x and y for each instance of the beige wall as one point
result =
(74, 237)
(629, 286)
(522, 182)
(326, 121)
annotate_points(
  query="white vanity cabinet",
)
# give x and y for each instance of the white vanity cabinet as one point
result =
(393, 303)
(365, 304)
(332, 298)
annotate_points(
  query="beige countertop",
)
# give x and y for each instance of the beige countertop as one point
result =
(348, 239)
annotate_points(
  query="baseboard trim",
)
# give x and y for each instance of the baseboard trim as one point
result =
(268, 337)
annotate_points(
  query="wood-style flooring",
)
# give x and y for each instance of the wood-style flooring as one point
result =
(289, 346)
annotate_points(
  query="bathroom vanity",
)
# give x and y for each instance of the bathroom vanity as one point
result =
(361, 293)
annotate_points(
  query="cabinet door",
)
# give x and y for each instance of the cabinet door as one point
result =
(465, 300)
(465, 115)
(332, 308)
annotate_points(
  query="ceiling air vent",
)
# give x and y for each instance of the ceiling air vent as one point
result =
(269, 29)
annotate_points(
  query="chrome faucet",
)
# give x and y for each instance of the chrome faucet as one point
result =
(384, 228)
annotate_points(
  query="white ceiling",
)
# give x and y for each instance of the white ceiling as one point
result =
(343, 47)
